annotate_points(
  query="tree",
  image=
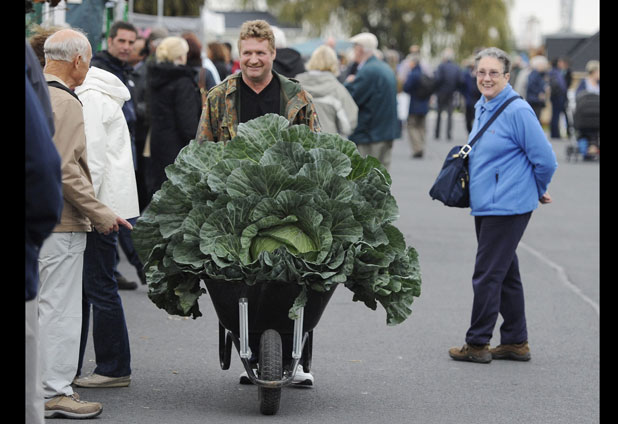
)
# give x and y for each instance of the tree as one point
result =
(464, 25)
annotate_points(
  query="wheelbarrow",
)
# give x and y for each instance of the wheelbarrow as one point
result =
(271, 345)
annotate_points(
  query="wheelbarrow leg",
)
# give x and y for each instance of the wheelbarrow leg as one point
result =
(243, 318)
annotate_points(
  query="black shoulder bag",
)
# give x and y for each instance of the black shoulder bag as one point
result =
(451, 186)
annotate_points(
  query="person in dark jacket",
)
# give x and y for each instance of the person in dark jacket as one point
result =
(558, 97)
(204, 78)
(470, 92)
(288, 61)
(122, 36)
(537, 84)
(418, 108)
(175, 106)
(43, 211)
(115, 59)
(374, 89)
(216, 54)
(448, 77)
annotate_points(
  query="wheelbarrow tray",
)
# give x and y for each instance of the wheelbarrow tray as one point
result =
(269, 305)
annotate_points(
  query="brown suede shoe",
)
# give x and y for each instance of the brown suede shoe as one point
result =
(514, 352)
(71, 407)
(471, 353)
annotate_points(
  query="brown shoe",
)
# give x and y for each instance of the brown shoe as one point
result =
(471, 353)
(96, 380)
(515, 352)
(71, 407)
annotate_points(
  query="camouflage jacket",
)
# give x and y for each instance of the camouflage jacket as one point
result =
(219, 119)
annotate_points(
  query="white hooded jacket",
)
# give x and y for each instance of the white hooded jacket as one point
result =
(108, 141)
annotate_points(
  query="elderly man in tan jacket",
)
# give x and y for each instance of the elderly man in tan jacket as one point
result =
(67, 59)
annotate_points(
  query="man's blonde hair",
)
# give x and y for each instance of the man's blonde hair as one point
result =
(259, 29)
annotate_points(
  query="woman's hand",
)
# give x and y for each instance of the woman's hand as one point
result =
(546, 198)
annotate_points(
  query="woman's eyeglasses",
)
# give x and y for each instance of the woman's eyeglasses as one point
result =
(492, 74)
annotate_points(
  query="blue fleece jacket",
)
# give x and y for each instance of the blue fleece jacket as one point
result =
(512, 163)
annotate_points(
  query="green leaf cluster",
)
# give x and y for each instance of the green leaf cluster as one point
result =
(278, 203)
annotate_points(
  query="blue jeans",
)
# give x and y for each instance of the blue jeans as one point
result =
(126, 243)
(100, 290)
(496, 280)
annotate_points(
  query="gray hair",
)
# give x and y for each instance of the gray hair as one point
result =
(66, 48)
(495, 53)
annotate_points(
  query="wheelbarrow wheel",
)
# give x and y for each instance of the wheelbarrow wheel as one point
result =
(271, 369)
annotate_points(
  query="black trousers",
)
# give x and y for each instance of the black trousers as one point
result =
(496, 281)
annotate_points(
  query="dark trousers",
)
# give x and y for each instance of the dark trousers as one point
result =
(557, 109)
(496, 281)
(126, 243)
(448, 106)
(100, 290)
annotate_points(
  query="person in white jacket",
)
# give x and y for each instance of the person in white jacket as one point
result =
(337, 110)
(110, 160)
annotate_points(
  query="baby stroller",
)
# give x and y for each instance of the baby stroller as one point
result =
(586, 121)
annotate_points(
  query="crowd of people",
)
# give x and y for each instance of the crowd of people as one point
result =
(111, 121)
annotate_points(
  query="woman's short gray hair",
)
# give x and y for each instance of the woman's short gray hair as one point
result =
(66, 48)
(495, 53)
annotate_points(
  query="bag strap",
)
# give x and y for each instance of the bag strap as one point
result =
(465, 151)
(201, 81)
(56, 84)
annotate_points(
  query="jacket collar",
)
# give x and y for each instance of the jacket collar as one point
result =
(52, 77)
(506, 93)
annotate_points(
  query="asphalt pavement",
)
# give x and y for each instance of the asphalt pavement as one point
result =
(367, 372)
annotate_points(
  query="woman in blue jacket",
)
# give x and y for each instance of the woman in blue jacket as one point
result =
(510, 168)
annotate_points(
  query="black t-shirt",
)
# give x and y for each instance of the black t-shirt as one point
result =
(253, 105)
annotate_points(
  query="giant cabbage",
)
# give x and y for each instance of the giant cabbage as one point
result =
(277, 203)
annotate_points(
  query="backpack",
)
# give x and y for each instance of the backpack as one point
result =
(425, 87)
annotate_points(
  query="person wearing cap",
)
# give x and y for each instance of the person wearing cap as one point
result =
(374, 89)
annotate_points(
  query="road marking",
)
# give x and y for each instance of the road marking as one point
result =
(564, 278)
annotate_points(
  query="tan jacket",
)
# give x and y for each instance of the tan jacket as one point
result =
(81, 208)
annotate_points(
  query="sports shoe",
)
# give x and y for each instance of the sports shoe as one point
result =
(244, 378)
(471, 353)
(515, 352)
(96, 380)
(71, 407)
(302, 378)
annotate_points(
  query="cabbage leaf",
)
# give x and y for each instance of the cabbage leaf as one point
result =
(277, 203)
